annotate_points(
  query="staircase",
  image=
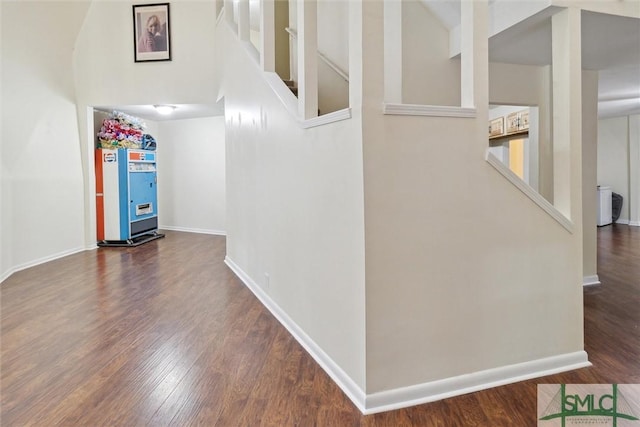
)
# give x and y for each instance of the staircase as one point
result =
(294, 89)
(292, 86)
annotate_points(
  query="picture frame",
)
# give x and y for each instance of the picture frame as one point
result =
(151, 32)
(513, 122)
(524, 119)
(496, 127)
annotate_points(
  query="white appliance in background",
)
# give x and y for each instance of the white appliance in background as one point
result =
(604, 206)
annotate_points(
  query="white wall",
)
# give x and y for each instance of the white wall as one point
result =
(454, 251)
(6, 219)
(333, 31)
(589, 176)
(333, 42)
(619, 162)
(295, 211)
(437, 220)
(42, 190)
(425, 59)
(613, 159)
(106, 74)
(191, 175)
(503, 78)
(634, 170)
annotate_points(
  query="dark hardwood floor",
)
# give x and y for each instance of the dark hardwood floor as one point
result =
(165, 334)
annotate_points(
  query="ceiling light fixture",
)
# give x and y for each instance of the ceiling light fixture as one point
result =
(164, 109)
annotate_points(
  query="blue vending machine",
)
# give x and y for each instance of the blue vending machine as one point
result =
(126, 197)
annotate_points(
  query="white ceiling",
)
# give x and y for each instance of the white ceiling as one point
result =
(610, 45)
(182, 111)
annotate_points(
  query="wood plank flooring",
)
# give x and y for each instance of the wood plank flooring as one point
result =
(164, 334)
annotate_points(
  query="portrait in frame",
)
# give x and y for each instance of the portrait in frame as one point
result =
(496, 126)
(151, 32)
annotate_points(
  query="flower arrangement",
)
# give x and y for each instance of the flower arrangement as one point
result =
(120, 130)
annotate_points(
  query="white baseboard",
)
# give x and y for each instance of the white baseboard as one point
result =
(24, 266)
(416, 394)
(192, 230)
(463, 384)
(5, 275)
(623, 221)
(634, 223)
(590, 280)
(348, 386)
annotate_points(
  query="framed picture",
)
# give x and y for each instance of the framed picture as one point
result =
(513, 122)
(151, 32)
(496, 126)
(524, 119)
